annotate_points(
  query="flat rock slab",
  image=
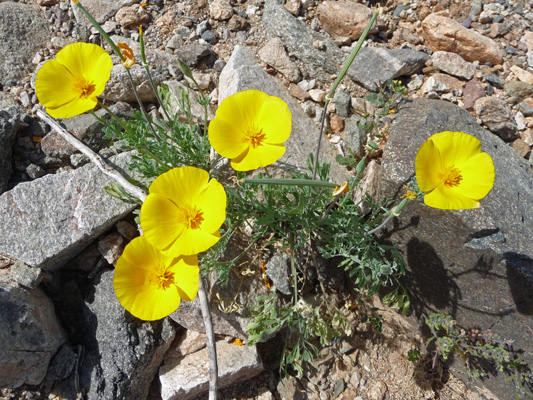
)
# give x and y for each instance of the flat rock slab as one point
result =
(46, 222)
(386, 64)
(186, 378)
(242, 72)
(475, 265)
(298, 37)
(101, 10)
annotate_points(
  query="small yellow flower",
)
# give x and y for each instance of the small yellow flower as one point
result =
(237, 342)
(149, 284)
(453, 172)
(250, 128)
(409, 194)
(344, 188)
(127, 52)
(183, 211)
(68, 85)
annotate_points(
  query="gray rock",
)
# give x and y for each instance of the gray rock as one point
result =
(495, 113)
(453, 64)
(274, 54)
(386, 64)
(355, 137)
(277, 269)
(494, 80)
(46, 222)
(84, 127)
(519, 90)
(101, 10)
(30, 335)
(23, 31)
(343, 103)
(241, 73)
(197, 111)
(29, 277)
(196, 53)
(485, 288)
(118, 87)
(10, 120)
(122, 353)
(298, 37)
(186, 378)
(526, 109)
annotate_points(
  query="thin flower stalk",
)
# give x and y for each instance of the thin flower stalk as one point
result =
(341, 75)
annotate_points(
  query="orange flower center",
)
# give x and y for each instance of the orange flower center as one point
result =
(84, 87)
(255, 137)
(163, 279)
(451, 176)
(192, 218)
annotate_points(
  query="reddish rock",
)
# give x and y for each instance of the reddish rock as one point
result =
(237, 23)
(522, 147)
(344, 19)
(336, 123)
(298, 92)
(442, 33)
(473, 90)
(132, 16)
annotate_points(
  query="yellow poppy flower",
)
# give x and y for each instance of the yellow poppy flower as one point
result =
(453, 172)
(68, 85)
(183, 211)
(250, 128)
(149, 284)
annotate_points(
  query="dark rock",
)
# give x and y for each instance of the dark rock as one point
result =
(386, 64)
(497, 116)
(488, 287)
(209, 37)
(526, 109)
(298, 37)
(23, 31)
(494, 80)
(196, 53)
(30, 335)
(10, 120)
(122, 353)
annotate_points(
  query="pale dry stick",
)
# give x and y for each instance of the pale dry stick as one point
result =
(95, 158)
(135, 191)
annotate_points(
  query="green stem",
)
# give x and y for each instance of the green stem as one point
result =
(240, 256)
(347, 65)
(393, 213)
(293, 269)
(293, 182)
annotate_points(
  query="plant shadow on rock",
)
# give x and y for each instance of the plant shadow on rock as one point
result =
(520, 278)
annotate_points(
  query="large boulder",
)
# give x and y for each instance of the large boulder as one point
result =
(10, 119)
(46, 222)
(475, 265)
(23, 31)
(29, 332)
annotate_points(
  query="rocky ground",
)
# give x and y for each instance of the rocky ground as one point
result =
(473, 54)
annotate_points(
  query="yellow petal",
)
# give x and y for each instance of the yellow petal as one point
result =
(428, 165)
(212, 202)
(187, 276)
(449, 198)
(227, 138)
(192, 241)
(275, 120)
(182, 185)
(455, 147)
(260, 156)
(160, 221)
(478, 176)
(87, 60)
(242, 107)
(54, 85)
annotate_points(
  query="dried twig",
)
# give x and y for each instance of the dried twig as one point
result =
(211, 347)
(95, 158)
